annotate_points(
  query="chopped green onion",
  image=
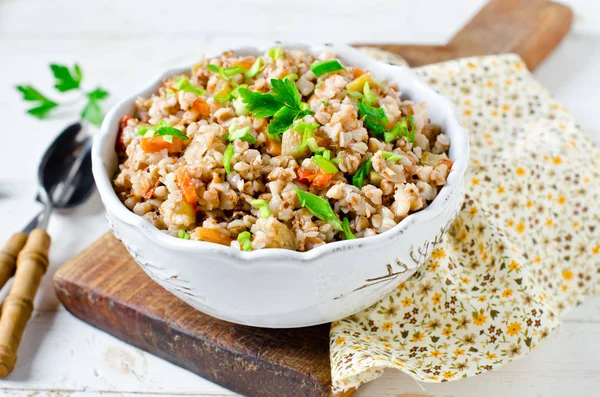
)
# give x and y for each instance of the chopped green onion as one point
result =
(171, 132)
(225, 98)
(327, 154)
(226, 73)
(391, 156)
(323, 67)
(236, 91)
(244, 239)
(213, 68)
(183, 235)
(370, 98)
(275, 53)
(263, 208)
(305, 126)
(240, 106)
(319, 207)
(183, 84)
(392, 135)
(358, 179)
(243, 134)
(254, 69)
(227, 157)
(292, 77)
(162, 129)
(336, 160)
(324, 164)
(346, 229)
(169, 93)
(313, 145)
(377, 126)
(354, 94)
(368, 110)
(306, 129)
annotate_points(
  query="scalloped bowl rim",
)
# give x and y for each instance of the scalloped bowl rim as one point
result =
(459, 144)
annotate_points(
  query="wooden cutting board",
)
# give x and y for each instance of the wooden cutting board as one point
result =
(104, 287)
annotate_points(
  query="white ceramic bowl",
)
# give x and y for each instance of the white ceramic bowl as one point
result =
(281, 288)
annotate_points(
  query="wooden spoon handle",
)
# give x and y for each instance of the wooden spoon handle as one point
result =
(32, 263)
(8, 256)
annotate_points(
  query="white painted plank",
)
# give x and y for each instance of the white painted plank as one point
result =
(333, 20)
(60, 352)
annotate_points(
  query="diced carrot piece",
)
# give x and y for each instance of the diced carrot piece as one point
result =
(119, 144)
(246, 63)
(201, 107)
(124, 121)
(322, 179)
(357, 72)
(273, 147)
(150, 192)
(213, 236)
(186, 185)
(157, 143)
(305, 176)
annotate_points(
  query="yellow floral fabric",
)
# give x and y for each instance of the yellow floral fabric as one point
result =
(523, 250)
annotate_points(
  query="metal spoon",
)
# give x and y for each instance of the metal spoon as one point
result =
(65, 181)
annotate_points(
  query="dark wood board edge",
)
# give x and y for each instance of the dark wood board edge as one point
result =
(223, 364)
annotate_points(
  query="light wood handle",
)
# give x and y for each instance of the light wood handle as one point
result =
(32, 263)
(8, 256)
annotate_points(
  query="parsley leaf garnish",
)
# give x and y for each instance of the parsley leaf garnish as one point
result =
(259, 104)
(44, 105)
(66, 79)
(284, 105)
(282, 120)
(286, 91)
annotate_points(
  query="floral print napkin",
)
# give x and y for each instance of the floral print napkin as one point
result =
(524, 249)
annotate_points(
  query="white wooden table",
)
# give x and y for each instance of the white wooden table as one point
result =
(121, 44)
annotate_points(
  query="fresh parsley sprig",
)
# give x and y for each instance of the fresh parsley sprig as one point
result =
(284, 105)
(66, 79)
(42, 104)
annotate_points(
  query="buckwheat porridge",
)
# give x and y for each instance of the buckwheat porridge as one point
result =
(285, 150)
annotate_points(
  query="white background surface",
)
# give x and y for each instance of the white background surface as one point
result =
(120, 45)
